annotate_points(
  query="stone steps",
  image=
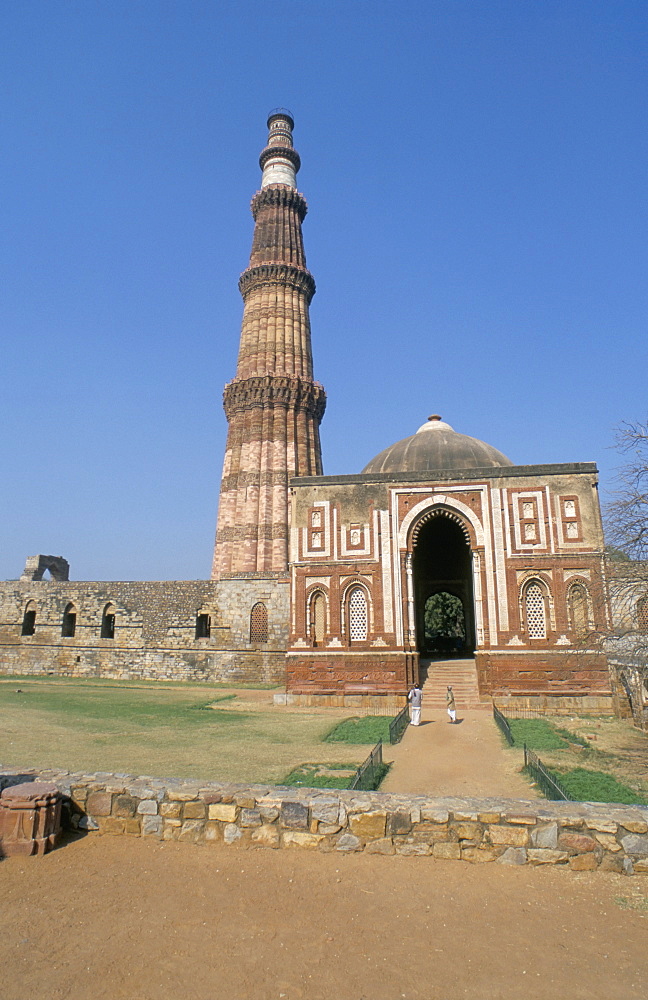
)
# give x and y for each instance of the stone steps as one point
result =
(462, 675)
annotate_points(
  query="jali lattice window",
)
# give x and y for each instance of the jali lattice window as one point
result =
(642, 614)
(259, 623)
(357, 615)
(535, 612)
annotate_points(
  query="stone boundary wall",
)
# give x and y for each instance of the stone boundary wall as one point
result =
(580, 836)
(155, 630)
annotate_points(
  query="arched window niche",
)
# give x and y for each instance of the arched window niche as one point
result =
(68, 625)
(317, 618)
(108, 622)
(29, 619)
(578, 607)
(535, 609)
(259, 623)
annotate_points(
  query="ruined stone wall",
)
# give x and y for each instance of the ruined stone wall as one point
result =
(154, 629)
(576, 835)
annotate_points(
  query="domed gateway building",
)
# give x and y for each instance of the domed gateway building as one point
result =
(442, 549)
(440, 552)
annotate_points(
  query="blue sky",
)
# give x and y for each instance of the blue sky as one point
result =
(476, 180)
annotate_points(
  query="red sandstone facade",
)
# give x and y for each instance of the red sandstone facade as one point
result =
(524, 551)
(273, 405)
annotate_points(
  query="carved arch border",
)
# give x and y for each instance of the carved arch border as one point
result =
(441, 504)
(437, 506)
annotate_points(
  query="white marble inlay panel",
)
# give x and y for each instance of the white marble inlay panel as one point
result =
(360, 548)
(386, 568)
(324, 548)
(498, 555)
(520, 541)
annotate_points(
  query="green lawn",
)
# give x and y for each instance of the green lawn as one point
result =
(161, 729)
(369, 729)
(540, 734)
(320, 775)
(595, 786)
(615, 774)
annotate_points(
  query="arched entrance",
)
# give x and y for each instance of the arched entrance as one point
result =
(443, 589)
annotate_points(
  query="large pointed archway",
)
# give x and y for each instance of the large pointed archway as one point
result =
(443, 588)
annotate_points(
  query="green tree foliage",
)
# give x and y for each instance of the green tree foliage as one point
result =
(444, 619)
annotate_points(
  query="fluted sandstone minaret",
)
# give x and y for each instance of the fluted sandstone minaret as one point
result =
(273, 406)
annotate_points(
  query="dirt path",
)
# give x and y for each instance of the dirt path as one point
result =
(124, 919)
(465, 759)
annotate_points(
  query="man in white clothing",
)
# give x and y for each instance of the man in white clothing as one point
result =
(450, 702)
(415, 698)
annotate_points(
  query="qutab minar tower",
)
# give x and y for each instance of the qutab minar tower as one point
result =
(273, 405)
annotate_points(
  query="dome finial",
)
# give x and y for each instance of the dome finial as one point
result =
(435, 416)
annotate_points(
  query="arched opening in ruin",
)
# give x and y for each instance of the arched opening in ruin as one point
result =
(108, 622)
(68, 626)
(443, 588)
(29, 619)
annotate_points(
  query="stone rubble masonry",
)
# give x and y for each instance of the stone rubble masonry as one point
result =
(155, 629)
(580, 836)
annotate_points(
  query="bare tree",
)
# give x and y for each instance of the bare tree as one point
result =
(627, 513)
(626, 524)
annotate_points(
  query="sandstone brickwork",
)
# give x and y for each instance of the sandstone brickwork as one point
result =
(273, 405)
(578, 836)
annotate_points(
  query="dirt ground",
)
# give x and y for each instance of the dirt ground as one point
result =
(112, 918)
(470, 758)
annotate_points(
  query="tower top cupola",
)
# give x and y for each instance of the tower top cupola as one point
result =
(279, 160)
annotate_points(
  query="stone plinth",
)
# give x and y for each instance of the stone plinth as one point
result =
(30, 818)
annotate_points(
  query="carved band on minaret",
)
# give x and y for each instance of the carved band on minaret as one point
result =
(274, 390)
(275, 152)
(277, 274)
(278, 194)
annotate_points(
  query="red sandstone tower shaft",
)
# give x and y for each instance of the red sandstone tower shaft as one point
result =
(273, 406)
